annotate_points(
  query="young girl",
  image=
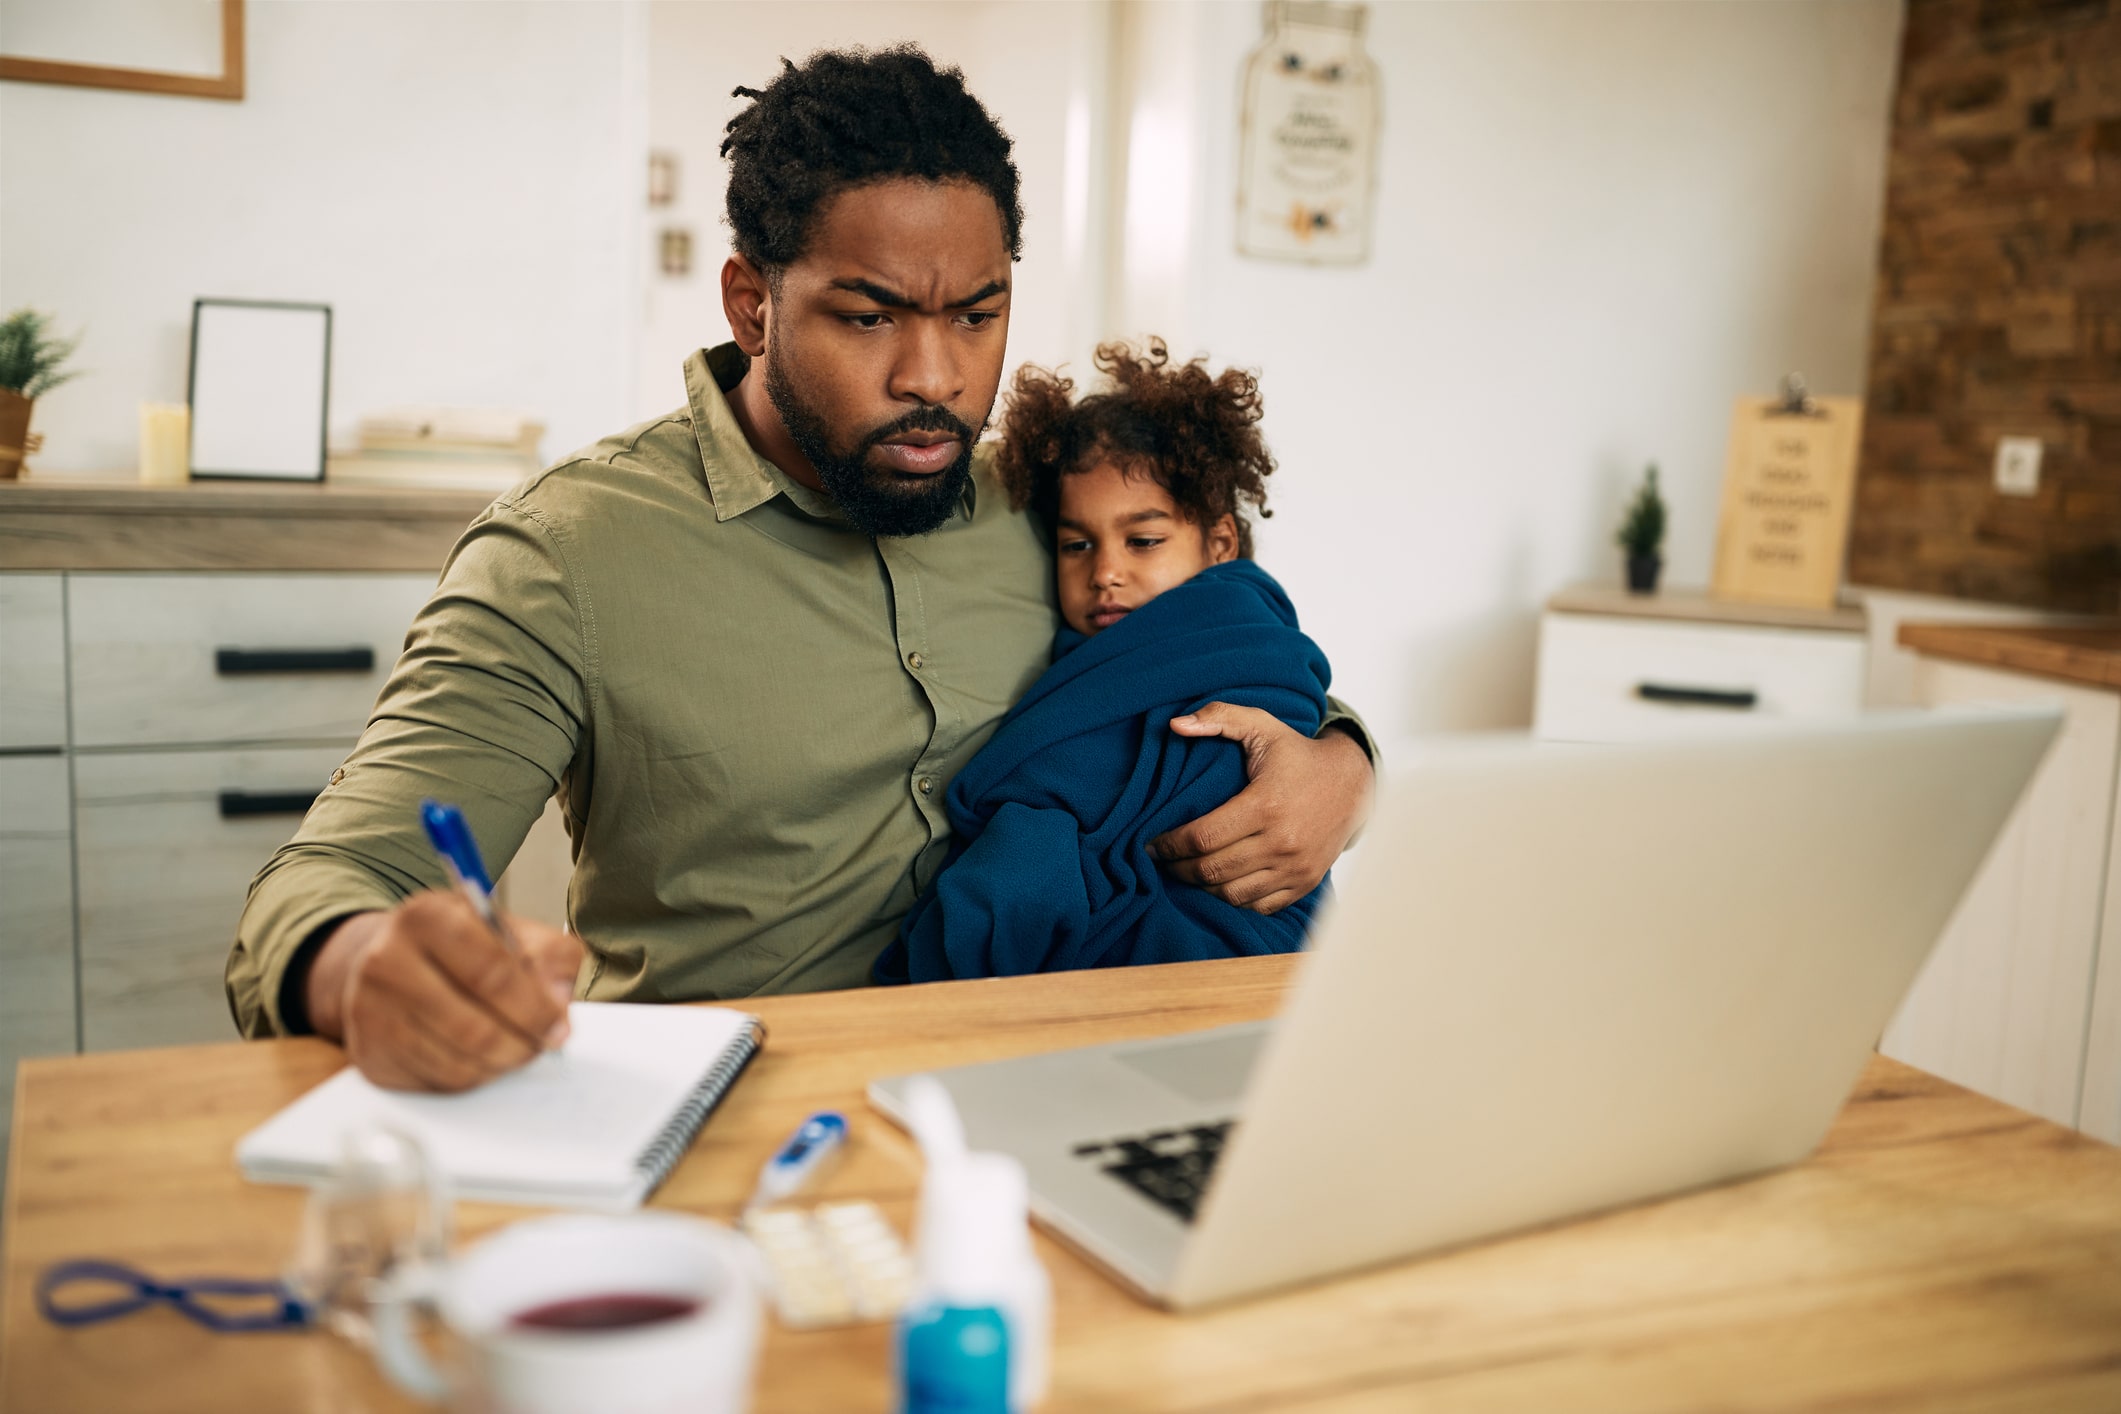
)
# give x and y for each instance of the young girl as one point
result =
(1146, 487)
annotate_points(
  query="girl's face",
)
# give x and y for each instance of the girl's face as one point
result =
(1122, 541)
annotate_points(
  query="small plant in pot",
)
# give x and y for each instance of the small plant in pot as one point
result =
(32, 363)
(1642, 535)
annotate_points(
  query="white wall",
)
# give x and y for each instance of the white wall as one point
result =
(1039, 68)
(1597, 224)
(458, 180)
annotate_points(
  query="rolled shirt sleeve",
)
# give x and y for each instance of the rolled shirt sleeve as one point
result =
(1340, 714)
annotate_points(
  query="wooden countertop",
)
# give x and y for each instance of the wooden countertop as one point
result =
(60, 523)
(1697, 606)
(1940, 1250)
(2089, 656)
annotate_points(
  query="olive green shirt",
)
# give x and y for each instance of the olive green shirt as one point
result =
(748, 709)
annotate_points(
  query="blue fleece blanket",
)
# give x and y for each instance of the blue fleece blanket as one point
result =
(1050, 869)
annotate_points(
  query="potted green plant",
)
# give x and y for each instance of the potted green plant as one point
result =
(32, 363)
(1642, 535)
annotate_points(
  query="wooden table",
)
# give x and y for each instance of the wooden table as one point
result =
(1941, 1252)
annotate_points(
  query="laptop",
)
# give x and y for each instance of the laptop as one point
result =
(1562, 979)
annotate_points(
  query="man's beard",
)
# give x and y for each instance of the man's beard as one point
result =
(878, 500)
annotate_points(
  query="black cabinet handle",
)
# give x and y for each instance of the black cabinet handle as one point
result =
(231, 662)
(236, 804)
(1744, 700)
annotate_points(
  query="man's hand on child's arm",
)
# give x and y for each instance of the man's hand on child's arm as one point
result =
(1273, 842)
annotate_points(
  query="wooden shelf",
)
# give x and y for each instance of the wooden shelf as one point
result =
(54, 523)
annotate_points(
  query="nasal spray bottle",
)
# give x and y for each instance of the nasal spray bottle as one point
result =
(977, 1337)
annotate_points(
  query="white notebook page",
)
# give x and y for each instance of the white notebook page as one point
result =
(570, 1126)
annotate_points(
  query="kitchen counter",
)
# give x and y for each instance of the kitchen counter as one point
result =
(2022, 998)
(2088, 656)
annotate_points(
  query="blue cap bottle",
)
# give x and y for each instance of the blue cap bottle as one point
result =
(977, 1337)
(953, 1360)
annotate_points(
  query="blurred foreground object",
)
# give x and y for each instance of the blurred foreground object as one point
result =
(646, 1313)
(383, 1209)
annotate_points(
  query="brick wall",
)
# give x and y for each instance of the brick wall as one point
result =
(1999, 309)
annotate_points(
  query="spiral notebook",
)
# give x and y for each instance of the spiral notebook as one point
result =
(598, 1124)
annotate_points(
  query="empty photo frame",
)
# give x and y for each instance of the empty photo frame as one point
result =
(260, 381)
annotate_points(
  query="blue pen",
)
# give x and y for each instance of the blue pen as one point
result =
(452, 840)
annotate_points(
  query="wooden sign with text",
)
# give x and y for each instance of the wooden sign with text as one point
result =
(1788, 484)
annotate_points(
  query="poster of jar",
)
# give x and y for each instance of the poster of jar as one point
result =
(1308, 136)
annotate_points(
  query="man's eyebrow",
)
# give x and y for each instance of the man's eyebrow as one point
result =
(889, 299)
(892, 299)
(986, 291)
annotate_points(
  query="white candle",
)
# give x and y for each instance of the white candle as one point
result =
(165, 444)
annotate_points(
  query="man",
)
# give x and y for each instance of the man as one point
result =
(748, 644)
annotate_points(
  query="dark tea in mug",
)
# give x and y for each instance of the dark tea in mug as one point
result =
(614, 1311)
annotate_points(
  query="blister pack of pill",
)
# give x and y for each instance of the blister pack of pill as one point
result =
(838, 1264)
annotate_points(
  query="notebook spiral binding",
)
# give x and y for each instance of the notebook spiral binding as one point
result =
(664, 1151)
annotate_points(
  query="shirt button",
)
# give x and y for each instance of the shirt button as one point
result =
(925, 785)
(338, 775)
(914, 660)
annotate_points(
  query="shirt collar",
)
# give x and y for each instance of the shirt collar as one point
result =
(738, 478)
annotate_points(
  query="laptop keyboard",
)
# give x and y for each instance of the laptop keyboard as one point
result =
(1170, 1167)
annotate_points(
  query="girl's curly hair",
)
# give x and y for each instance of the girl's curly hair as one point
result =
(1196, 435)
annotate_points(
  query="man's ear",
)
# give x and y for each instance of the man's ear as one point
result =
(1222, 540)
(747, 299)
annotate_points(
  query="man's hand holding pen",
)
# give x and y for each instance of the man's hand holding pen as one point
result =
(443, 992)
(426, 996)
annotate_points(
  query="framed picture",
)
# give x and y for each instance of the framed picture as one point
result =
(193, 48)
(260, 389)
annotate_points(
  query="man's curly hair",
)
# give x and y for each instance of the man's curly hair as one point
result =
(848, 117)
(1197, 436)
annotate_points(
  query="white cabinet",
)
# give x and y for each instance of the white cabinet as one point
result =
(160, 736)
(1615, 667)
(207, 711)
(38, 1014)
(2022, 998)
(168, 842)
(37, 1006)
(185, 659)
(180, 668)
(32, 662)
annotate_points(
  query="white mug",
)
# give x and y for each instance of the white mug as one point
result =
(697, 1358)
